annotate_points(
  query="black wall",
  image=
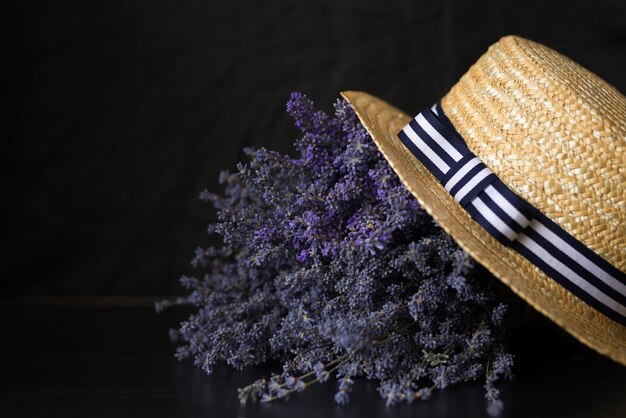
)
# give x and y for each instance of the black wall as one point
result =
(117, 114)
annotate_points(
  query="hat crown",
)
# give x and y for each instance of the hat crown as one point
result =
(554, 133)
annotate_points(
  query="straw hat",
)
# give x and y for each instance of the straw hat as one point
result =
(548, 135)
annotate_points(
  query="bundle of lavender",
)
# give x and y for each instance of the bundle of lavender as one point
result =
(330, 265)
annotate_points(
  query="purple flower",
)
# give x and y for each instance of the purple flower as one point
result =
(341, 397)
(328, 261)
(303, 256)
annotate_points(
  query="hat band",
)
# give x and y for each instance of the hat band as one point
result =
(510, 219)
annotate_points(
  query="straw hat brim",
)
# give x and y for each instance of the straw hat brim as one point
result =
(383, 121)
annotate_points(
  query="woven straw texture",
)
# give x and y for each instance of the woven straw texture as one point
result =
(555, 134)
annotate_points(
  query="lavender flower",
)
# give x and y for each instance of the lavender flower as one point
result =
(329, 264)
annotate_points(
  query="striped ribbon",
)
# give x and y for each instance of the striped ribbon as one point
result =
(514, 222)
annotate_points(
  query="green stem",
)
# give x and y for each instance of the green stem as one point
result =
(307, 384)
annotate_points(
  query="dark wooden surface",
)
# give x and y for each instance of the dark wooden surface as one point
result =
(90, 358)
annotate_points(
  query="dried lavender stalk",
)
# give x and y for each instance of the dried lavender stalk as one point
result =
(329, 264)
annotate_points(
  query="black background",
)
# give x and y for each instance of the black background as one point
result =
(118, 113)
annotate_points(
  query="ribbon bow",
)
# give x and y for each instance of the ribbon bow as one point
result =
(510, 219)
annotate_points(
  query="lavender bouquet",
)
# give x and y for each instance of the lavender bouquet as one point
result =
(330, 265)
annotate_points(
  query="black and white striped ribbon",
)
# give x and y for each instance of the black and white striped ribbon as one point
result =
(514, 222)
